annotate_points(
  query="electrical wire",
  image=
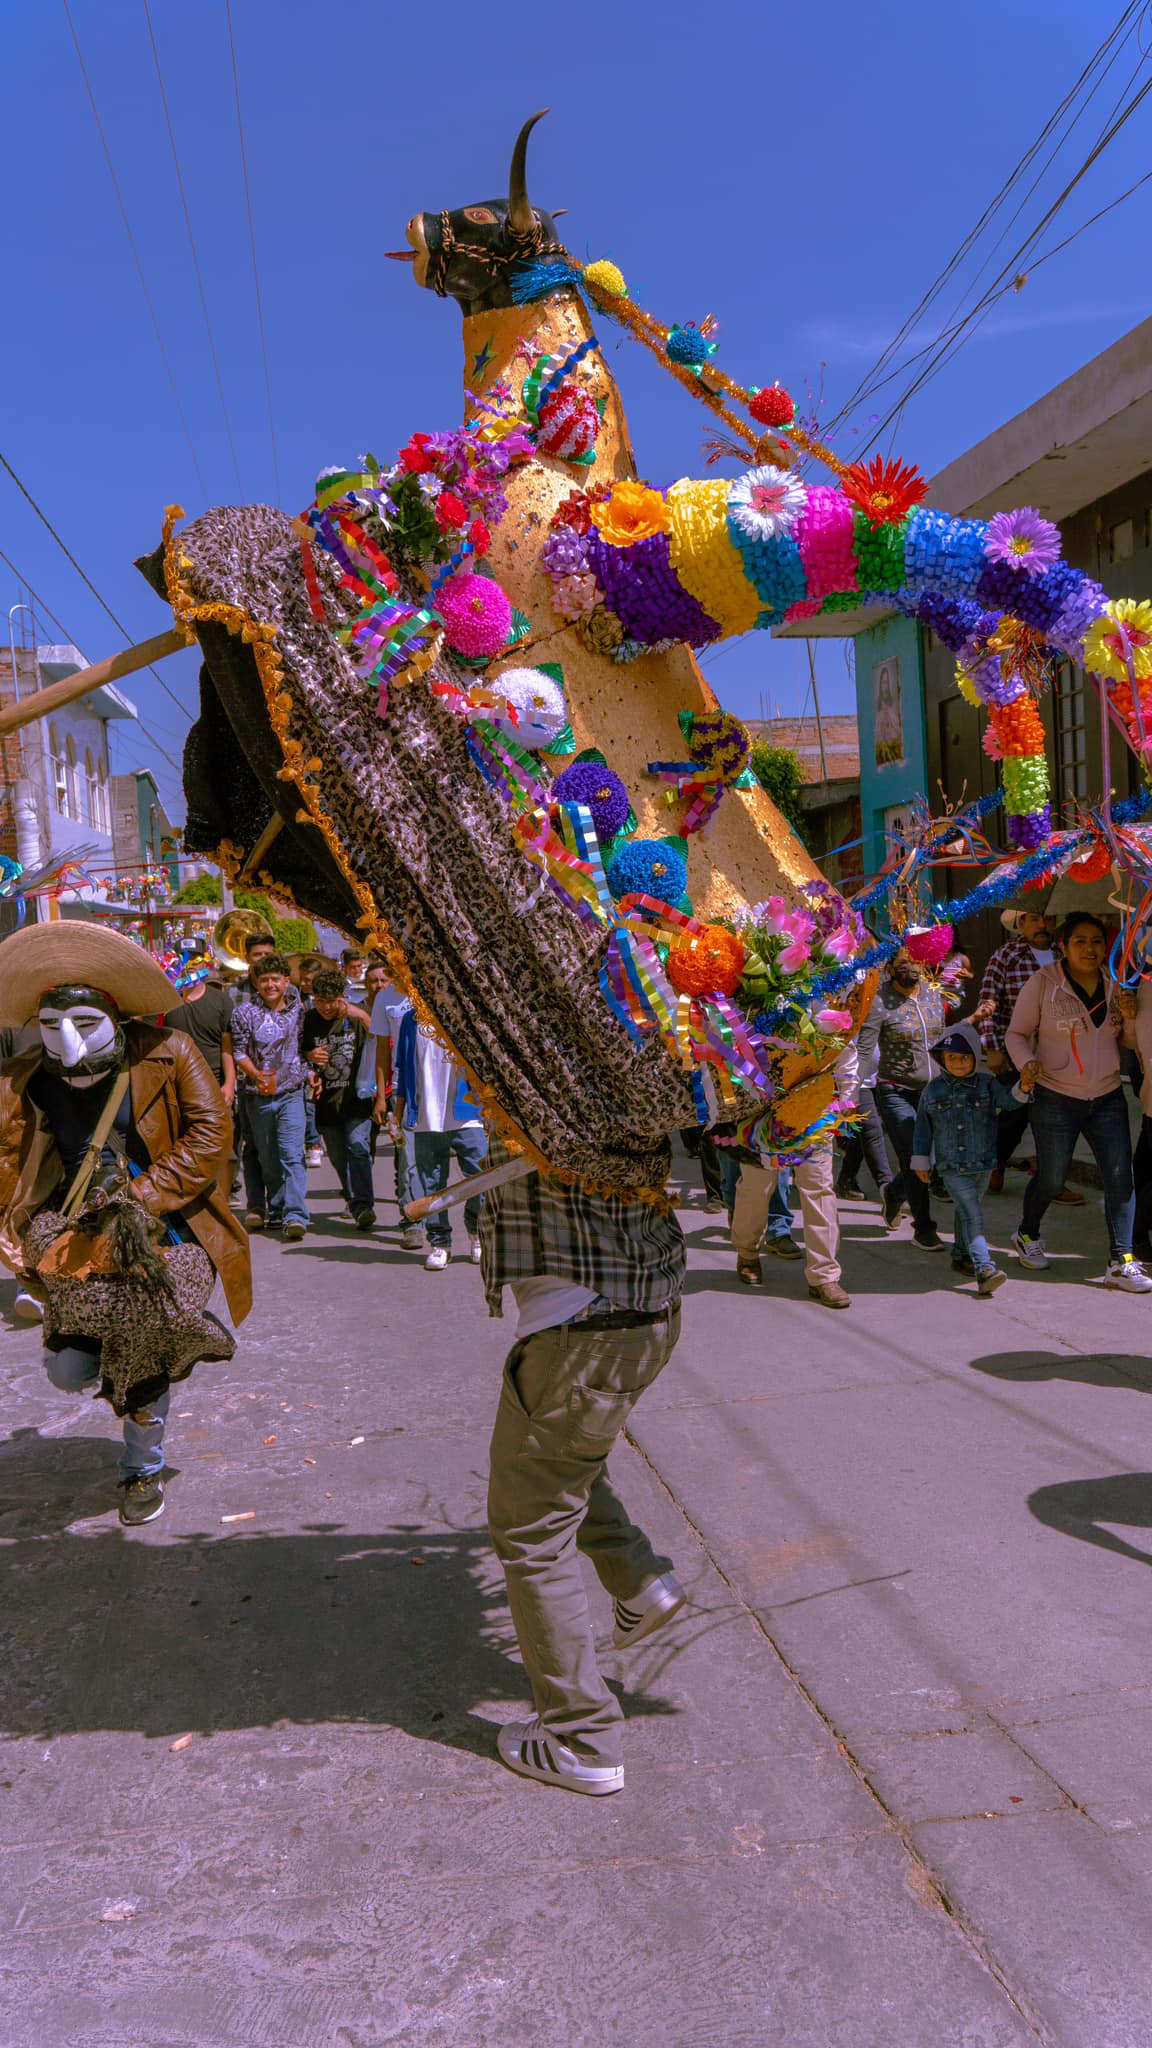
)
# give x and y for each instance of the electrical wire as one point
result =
(252, 248)
(1128, 23)
(193, 250)
(120, 627)
(148, 300)
(979, 313)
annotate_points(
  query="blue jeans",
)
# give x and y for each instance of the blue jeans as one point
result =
(75, 1369)
(277, 1126)
(779, 1222)
(1057, 1122)
(967, 1191)
(311, 1132)
(897, 1107)
(433, 1153)
(349, 1147)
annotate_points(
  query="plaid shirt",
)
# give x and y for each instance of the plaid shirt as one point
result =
(632, 1253)
(1004, 977)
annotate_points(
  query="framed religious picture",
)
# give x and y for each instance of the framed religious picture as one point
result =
(887, 712)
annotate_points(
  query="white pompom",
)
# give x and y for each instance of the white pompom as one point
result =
(538, 704)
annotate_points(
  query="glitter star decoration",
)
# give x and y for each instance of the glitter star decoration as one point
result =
(482, 358)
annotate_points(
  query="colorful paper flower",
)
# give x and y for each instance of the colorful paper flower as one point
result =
(794, 956)
(943, 555)
(634, 512)
(601, 630)
(706, 963)
(825, 540)
(591, 783)
(884, 490)
(1024, 540)
(841, 943)
(688, 346)
(535, 711)
(719, 744)
(772, 407)
(648, 867)
(575, 510)
(605, 278)
(1124, 632)
(833, 1022)
(568, 423)
(930, 944)
(476, 614)
(765, 502)
(565, 552)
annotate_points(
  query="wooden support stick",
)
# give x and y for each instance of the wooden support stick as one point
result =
(42, 702)
(463, 1190)
(271, 831)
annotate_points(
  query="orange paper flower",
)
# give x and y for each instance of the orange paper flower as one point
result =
(706, 963)
(884, 491)
(633, 512)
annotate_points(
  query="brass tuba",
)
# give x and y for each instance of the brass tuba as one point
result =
(231, 930)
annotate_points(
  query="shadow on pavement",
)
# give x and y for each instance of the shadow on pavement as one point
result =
(102, 1631)
(1079, 1507)
(1096, 1369)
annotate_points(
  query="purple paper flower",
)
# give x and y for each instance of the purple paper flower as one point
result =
(1023, 540)
(565, 552)
(1031, 830)
(641, 587)
(589, 782)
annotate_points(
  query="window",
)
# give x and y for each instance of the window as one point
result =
(72, 804)
(59, 771)
(91, 791)
(102, 792)
(1070, 714)
(1122, 541)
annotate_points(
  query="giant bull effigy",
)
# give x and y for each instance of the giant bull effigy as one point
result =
(456, 705)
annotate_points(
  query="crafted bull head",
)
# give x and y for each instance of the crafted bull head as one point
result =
(466, 254)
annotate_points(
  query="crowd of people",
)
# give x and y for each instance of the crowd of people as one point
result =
(121, 1141)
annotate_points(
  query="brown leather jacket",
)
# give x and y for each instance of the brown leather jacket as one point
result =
(183, 1122)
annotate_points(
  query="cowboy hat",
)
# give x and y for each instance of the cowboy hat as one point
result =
(44, 956)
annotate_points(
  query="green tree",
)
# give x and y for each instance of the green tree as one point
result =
(292, 934)
(778, 770)
(201, 889)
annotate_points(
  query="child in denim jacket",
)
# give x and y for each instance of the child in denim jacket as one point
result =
(956, 1125)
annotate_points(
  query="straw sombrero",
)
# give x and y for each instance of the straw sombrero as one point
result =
(44, 956)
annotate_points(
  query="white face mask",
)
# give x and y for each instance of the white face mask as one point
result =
(76, 1036)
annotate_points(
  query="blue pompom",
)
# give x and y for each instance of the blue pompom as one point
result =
(648, 867)
(687, 346)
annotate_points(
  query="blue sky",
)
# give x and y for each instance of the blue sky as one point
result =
(802, 174)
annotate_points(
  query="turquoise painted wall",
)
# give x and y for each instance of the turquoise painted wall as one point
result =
(883, 787)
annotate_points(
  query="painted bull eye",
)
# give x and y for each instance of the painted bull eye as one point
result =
(480, 216)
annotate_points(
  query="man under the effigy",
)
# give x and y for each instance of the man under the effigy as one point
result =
(115, 1147)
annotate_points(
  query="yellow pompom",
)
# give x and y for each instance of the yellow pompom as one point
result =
(604, 277)
(966, 686)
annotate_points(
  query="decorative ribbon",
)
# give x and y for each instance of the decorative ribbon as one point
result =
(691, 784)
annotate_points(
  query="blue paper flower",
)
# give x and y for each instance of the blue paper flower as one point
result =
(648, 867)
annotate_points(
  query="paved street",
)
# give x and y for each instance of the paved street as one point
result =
(887, 1779)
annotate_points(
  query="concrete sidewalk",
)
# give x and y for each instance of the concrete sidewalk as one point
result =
(886, 1776)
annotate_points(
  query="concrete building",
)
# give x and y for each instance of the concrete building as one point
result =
(55, 791)
(828, 750)
(1082, 454)
(142, 832)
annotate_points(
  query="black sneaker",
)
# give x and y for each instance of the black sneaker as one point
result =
(962, 1264)
(365, 1219)
(849, 1191)
(928, 1240)
(936, 1187)
(141, 1499)
(893, 1204)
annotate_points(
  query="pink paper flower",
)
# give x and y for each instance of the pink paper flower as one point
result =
(795, 956)
(833, 1021)
(772, 915)
(841, 943)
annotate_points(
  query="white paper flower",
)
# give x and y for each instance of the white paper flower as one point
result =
(765, 502)
(536, 710)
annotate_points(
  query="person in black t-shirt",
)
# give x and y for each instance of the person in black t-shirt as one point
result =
(332, 1041)
(205, 1014)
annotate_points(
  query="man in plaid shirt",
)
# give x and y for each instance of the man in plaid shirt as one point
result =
(596, 1280)
(1028, 948)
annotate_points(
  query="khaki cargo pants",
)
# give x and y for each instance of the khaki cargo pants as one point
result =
(567, 1394)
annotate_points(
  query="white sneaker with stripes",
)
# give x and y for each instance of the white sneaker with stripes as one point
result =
(532, 1753)
(647, 1611)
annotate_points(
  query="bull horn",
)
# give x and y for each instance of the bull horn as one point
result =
(519, 206)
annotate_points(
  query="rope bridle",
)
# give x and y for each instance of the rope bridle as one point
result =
(520, 245)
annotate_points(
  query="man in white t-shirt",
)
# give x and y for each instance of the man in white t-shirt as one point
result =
(389, 1007)
(435, 1104)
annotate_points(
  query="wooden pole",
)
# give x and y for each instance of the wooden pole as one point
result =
(42, 703)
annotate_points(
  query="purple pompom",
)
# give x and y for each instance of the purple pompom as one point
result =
(641, 587)
(590, 783)
(1032, 830)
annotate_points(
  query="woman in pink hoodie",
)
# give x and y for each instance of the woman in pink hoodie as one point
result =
(1073, 1019)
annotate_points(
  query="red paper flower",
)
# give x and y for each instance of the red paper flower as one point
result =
(479, 536)
(575, 511)
(884, 491)
(772, 407)
(450, 510)
(415, 456)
